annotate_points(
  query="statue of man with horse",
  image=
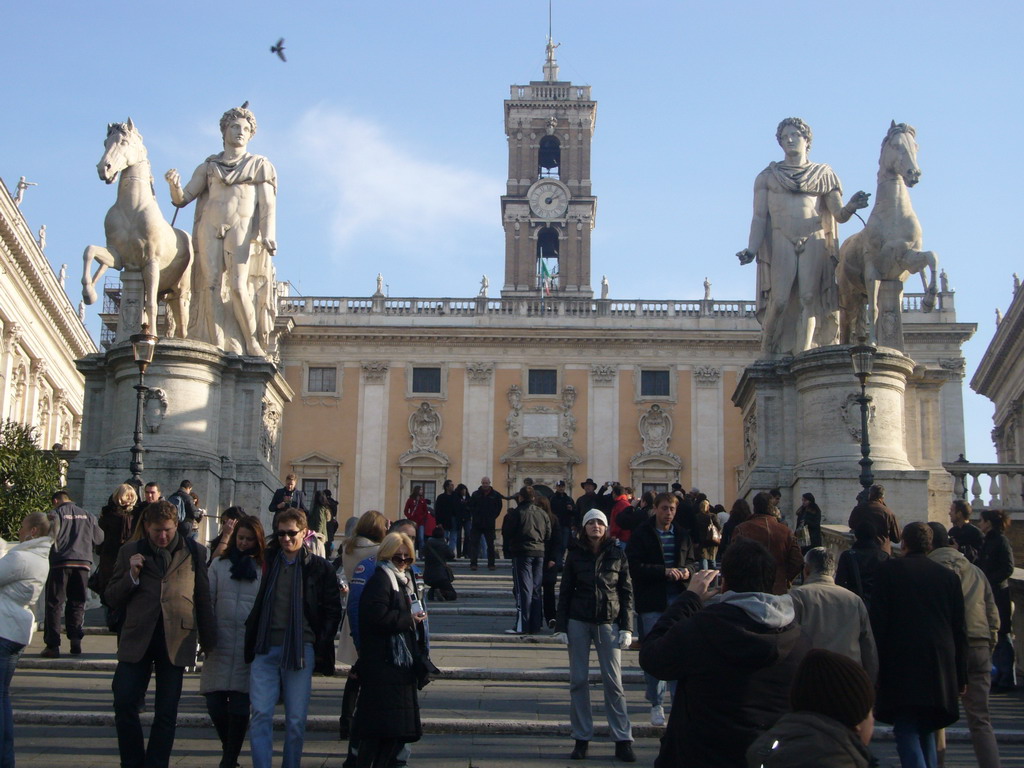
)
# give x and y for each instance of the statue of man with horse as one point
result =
(798, 206)
(235, 235)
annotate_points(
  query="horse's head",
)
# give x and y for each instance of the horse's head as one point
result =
(899, 154)
(122, 149)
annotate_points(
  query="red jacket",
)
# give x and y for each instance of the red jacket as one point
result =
(418, 511)
(622, 534)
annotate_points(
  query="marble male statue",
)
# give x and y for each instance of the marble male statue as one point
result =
(20, 190)
(605, 287)
(794, 237)
(234, 235)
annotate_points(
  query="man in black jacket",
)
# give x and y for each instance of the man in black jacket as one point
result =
(526, 533)
(288, 496)
(289, 635)
(188, 515)
(485, 506)
(78, 534)
(734, 654)
(661, 559)
(564, 508)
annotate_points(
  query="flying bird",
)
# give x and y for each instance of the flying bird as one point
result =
(279, 49)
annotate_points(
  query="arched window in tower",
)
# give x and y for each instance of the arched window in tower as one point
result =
(549, 157)
(547, 259)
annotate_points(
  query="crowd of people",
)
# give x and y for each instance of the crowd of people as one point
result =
(764, 649)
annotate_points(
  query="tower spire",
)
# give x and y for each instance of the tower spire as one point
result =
(550, 65)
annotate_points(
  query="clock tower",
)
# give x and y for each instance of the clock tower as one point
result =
(548, 209)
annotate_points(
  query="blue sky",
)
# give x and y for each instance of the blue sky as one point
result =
(386, 129)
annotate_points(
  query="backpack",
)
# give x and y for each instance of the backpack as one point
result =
(179, 503)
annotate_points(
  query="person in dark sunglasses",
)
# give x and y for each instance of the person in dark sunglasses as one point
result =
(391, 651)
(288, 636)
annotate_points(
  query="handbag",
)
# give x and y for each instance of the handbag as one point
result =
(803, 536)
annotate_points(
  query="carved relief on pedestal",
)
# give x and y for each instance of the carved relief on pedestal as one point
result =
(849, 409)
(270, 431)
(154, 408)
(707, 376)
(479, 373)
(375, 371)
(603, 375)
(750, 438)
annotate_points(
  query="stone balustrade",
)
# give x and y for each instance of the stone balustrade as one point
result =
(1005, 485)
(560, 306)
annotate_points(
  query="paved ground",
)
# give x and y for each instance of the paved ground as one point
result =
(506, 699)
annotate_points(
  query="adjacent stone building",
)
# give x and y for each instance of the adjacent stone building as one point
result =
(41, 336)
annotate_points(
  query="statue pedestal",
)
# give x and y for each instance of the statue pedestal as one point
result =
(801, 425)
(210, 416)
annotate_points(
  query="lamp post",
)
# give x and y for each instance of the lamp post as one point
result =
(143, 347)
(863, 357)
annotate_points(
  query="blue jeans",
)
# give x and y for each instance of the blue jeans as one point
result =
(10, 652)
(654, 689)
(563, 546)
(529, 573)
(268, 679)
(915, 746)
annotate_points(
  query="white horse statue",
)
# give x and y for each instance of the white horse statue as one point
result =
(889, 246)
(139, 239)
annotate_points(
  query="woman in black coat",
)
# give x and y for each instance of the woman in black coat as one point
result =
(595, 607)
(392, 645)
(996, 561)
(809, 516)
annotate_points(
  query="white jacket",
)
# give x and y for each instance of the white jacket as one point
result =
(23, 572)
(224, 668)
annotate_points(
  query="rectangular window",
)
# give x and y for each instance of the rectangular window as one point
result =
(322, 380)
(542, 381)
(426, 381)
(309, 487)
(655, 488)
(654, 384)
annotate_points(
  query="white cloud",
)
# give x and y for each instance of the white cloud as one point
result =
(372, 186)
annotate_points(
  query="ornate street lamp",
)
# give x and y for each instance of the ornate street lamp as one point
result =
(143, 347)
(863, 357)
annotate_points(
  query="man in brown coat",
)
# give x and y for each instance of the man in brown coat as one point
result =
(161, 589)
(765, 528)
(875, 512)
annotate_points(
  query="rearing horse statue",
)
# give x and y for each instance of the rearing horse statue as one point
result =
(139, 239)
(889, 246)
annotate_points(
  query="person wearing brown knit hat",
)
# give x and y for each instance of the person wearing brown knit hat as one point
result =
(831, 722)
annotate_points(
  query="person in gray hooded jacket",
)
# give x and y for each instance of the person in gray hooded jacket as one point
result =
(734, 654)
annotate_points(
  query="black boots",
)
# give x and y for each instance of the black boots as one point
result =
(579, 752)
(624, 751)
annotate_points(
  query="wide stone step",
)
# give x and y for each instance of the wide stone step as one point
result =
(496, 674)
(431, 725)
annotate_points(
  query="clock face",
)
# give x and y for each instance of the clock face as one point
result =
(549, 200)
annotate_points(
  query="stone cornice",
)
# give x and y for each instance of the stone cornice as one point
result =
(21, 254)
(1006, 347)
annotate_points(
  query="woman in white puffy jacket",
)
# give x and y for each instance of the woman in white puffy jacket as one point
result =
(23, 572)
(234, 583)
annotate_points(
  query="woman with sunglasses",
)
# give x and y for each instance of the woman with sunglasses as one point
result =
(392, 647)
(234, 583)
(289, 635)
